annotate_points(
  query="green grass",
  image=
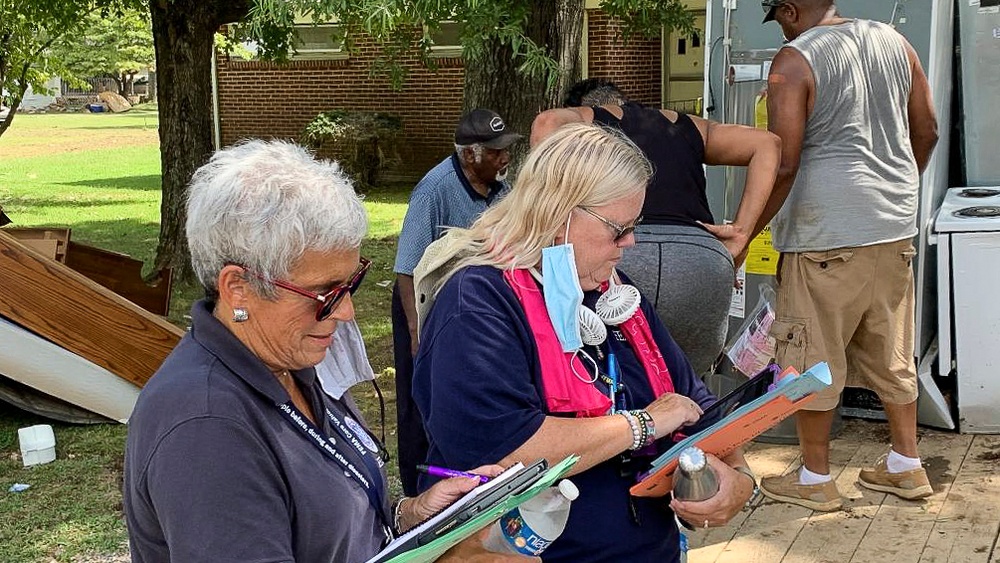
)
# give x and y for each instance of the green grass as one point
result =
(74, 504)
(99, 174)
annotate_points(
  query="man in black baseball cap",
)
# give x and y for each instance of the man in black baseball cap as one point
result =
(484, 127)
(452, 194)
(770, 6)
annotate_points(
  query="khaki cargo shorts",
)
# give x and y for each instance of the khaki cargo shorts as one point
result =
(852, 308)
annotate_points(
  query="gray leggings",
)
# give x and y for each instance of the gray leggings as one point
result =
(688, 276)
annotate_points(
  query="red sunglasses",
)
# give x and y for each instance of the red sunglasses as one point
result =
(328, 301)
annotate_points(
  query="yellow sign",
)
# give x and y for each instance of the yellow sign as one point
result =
(762, 258)
(760, 110)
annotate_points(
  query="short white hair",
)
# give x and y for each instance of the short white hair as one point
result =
(261, 205)
(477, 151)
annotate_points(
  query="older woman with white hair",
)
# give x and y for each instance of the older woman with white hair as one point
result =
(234, 452)
(535, 348)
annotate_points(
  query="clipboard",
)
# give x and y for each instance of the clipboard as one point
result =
(745, 423)
(513, 485)
(406, 549)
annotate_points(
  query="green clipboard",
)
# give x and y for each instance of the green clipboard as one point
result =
(430, 552)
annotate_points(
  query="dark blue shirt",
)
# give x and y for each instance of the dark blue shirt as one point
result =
(215, 472)
(477, 380)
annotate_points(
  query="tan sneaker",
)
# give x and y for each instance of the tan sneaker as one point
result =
(786, 488)
(911, 485)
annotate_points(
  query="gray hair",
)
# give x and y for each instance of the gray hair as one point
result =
(477, 151)
(261, 205)
(605, 95)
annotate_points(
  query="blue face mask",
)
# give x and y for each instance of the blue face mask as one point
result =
(563, 294)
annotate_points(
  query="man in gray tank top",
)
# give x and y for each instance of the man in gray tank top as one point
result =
(852, 106)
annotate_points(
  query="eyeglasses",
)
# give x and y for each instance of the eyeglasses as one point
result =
(328, 301)
(621, 231)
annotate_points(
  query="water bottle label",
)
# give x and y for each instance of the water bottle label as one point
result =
(523, 539)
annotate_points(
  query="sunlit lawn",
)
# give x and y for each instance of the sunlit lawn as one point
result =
(99, 174)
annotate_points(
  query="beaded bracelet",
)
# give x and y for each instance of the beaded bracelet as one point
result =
(648, 426)
(636, 427)
(397, 515)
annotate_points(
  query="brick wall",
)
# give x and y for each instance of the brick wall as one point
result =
(636, 67)
(270, 100)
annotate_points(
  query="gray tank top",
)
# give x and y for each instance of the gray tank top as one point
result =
(857, 181)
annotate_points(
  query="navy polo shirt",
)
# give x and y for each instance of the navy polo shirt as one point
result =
(477, 380)
(215, 472)
(443, 198)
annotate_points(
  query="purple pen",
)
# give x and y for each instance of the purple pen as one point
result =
(443, 472)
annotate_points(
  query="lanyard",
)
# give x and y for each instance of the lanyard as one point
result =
(328, 446)
(612, 377)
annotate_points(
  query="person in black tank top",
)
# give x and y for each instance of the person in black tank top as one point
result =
(677, 152)
(682, 261)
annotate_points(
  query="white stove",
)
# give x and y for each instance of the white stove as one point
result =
(968, 237)
(969, 209)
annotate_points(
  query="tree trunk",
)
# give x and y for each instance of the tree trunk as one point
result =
(494, 82)
(183, 34)
(17, 96)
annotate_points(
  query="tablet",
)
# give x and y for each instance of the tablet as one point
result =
(515, 484)
(748, 391)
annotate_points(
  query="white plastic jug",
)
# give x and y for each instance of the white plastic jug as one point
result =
(38, 444)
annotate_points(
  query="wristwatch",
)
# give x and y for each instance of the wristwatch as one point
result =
(756, 489)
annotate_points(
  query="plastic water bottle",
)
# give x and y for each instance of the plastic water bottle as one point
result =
(684, 547)
(694, 480)
(531, 527)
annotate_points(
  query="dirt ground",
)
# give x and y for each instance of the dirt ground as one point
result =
(76, 140)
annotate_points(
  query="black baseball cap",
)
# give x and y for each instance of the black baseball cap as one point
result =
(770, 6)
(484, 127)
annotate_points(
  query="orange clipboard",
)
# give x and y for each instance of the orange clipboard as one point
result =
(732, 432)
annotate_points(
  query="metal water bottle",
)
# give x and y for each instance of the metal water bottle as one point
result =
(694, 480)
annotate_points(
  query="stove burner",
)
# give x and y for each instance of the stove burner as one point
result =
(979, 211)
(979, 192)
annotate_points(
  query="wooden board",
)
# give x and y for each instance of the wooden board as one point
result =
(965, 530)
(913, 520)
(50, 242)
(959, 523)
(773, 528)
(764, 459)
(79, 315)
(121, 274)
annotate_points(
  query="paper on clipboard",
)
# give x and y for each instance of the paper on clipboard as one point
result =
(742, 425)
(433, 550)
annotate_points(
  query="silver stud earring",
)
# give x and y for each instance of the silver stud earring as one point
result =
(240, 315)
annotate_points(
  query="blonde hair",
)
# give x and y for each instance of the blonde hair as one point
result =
(580, 165)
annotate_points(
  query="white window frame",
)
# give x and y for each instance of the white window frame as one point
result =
(446, 51)
(333, 53)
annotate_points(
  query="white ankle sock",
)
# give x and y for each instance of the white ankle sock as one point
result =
(898, 463)
(807, 477)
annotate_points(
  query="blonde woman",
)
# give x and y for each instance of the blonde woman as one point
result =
(505, 373)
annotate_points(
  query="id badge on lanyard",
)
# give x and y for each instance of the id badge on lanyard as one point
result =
(370, 483)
